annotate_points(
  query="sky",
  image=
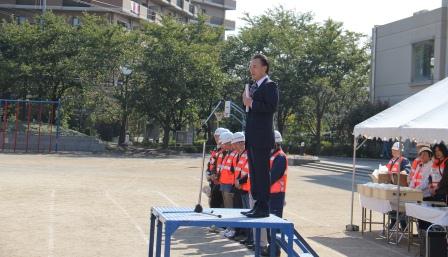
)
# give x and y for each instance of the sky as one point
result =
(357, 15)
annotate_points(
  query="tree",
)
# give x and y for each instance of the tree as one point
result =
(39, 59)
(338, 64)
(181, 69)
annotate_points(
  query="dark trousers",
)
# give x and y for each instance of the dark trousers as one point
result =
(259, 174)
(216, 200)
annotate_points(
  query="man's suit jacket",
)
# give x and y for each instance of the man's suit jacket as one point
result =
(260, 118)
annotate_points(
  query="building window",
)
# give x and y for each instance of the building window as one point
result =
(180, 3)
(135, 8)
(76, 21)
(423, 61)
(192, 9)
(20, 20)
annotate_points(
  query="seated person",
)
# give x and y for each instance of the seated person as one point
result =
(397, 164)
(419, 177)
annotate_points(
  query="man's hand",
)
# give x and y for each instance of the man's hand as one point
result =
(247, 100)
(237, 183)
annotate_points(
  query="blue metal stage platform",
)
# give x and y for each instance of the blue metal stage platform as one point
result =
(171, 219)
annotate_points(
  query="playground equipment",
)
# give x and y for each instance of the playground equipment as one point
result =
(28, 125)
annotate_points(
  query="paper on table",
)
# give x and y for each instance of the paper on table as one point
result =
(247, 95)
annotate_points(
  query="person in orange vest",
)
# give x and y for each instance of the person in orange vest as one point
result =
(227, 177)
(226, 174)
(215, 199)
(279, 175)
(417, 160)
(397, 164)
(419, 177)
(242, 183)
(437, 171)
(420, 180)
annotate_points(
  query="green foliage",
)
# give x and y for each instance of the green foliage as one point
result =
(180, 71)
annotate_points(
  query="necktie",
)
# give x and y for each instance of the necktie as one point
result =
(252, 89)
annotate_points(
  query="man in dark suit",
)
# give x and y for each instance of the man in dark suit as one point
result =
(262, 103)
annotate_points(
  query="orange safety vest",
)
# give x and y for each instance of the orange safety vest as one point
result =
(415, 163)
(219, 160)
(241, 165)
(280, 185)
(416, 175)
(394, 165)
(212, 161)
(227, 176)
(437, 171)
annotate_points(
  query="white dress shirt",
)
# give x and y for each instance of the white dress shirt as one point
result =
(261, 80)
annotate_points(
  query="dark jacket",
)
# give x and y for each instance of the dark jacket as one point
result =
(442, 188)
(260, 118)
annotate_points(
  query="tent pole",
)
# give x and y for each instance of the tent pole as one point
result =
(351, 226)
(397, 221)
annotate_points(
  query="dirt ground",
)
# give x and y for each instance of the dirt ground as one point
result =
(82, 206)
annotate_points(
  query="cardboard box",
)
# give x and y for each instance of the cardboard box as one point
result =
(391, 194)
(381, 179)
(403, 179)
(390, 179)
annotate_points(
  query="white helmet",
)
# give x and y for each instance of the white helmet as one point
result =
(397, 146)
(278, 137)
(219, 131)
(225, 137)
(238, 137)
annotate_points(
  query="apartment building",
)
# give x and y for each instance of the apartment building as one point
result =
(409, 55)
(129, 13)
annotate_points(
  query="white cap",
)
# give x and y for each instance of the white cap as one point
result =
(219, 131)
(225, 137)
(397, 146)
(238, 137)
(278, 136)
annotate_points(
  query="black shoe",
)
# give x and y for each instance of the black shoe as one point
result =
(250, 246)
(246, 212)
(266, 251)
(252, 210)
(258, 213)
(240, 237)
(243, 241)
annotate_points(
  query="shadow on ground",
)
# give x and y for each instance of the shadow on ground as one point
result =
(356, 245)
(200, 242)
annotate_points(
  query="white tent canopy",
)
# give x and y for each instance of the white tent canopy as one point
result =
(421, 117)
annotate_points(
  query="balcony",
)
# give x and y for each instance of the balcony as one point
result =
(180, 6)
(226, 4)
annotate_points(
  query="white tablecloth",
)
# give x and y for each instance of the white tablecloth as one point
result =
(436, 215)
(377, 205)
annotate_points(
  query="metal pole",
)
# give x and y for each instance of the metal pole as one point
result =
(50, 124)
(17, 125)
(397, 221)
(44, 6)
(5, 123)
(28, 126)
(40, 124)
(351, 226)
(58, 124)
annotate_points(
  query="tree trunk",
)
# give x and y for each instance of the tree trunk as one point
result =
(166, 136)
